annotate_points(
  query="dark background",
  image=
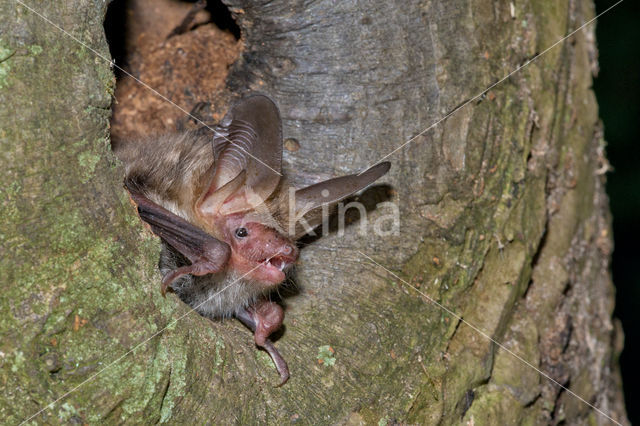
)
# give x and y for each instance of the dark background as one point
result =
(617, 88)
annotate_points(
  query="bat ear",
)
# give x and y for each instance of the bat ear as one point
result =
(333, 190)
(250, 142)
(212, 201)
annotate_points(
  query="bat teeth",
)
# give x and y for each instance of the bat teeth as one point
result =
(278, 263)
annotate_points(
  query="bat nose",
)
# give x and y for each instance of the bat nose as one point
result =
(288, 250)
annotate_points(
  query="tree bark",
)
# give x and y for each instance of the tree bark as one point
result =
(504, 221)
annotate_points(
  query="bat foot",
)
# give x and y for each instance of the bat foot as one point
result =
(264, 318)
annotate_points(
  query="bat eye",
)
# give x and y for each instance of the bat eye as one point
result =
(241, 232)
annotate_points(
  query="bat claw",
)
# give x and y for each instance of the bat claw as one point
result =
(166, 288)
(168, 279)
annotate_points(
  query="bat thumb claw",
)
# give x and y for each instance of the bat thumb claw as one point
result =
(166, 283)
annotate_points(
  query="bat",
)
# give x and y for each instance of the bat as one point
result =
(223, 211)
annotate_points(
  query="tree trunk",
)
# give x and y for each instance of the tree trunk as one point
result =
(503, 221)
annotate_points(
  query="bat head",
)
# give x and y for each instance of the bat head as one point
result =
(246, 173)
(258, 252)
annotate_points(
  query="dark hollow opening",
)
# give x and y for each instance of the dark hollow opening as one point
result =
(181, 50)
(115, 26)
(221, 17)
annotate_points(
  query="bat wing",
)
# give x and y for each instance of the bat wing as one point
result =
(251, 142)
(206, 253)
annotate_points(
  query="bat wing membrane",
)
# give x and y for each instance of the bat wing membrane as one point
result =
(206, 253)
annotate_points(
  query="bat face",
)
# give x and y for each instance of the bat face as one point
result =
(259, 253)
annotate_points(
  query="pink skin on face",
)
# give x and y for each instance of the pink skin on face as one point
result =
(258, 251)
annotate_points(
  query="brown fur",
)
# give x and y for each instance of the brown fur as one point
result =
(171, 169)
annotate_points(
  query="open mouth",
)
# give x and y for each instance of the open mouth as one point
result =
(278, 262)
(268, 271)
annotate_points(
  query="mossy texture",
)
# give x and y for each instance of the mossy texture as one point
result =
(503, 221)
